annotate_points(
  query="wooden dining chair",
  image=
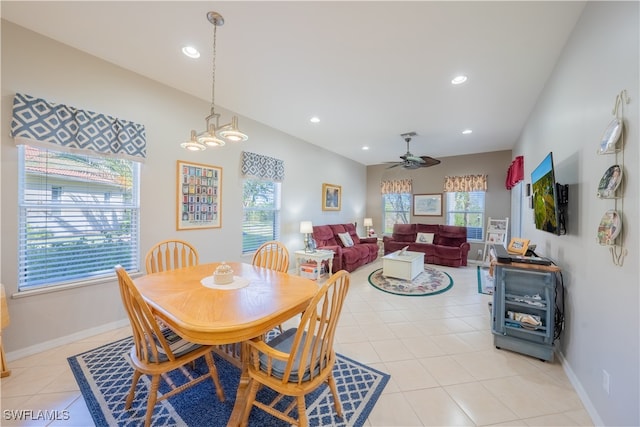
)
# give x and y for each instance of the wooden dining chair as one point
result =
(169, 255)
(158, 351)
(272, 255)
(301, 359)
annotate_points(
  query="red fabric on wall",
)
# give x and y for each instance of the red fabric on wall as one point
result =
(515, 174)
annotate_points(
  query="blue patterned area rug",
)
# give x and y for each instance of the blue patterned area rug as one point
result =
(104, 376)
(430, 282)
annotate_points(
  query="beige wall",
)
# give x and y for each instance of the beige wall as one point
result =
(431, 180)
(40, 67)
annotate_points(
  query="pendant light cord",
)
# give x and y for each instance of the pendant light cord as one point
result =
(213, 68)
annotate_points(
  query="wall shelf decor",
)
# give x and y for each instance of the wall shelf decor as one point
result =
(611, 186)
(497, 230)
(610, 182)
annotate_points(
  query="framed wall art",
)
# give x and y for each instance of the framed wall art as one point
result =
(518, 246)
(199, 196)
(427, 204)
(331, 197)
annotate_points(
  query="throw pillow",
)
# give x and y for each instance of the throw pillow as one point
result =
(424, 238)
(346, 239)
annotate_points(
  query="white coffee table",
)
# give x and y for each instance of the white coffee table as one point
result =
(405, 266)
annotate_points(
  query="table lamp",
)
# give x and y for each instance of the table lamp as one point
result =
(4, 311)
(368, 223)
(306, 227)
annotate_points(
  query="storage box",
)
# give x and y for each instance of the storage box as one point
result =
(309, 270)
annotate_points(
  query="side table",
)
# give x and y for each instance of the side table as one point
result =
(318, 256)
(380, 247)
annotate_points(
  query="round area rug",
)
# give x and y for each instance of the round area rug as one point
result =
(429, 282)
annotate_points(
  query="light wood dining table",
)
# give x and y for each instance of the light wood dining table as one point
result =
(225, 316)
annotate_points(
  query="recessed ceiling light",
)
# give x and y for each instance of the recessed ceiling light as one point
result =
(467, 131)
(191, 52)
(365, 148)
(459, 79)
(314, 119)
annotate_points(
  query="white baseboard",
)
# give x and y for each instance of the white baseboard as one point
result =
(595, 417)
(47, 345)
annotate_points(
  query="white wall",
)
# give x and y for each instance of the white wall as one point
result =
(602, 323)
(40, 67)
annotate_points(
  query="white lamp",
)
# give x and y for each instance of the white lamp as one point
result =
(368, 223)
(306, 227)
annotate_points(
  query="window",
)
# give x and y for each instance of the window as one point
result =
(396, 210)
(261, 213)
(76, 234)
(467, 209)
(56, 196)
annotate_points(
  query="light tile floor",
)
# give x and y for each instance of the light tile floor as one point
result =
(444, 368)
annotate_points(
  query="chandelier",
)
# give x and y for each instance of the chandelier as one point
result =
(215, 135)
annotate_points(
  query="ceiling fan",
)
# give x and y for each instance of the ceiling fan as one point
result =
(409, 161)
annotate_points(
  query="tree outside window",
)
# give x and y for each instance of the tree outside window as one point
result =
(396, 210)
(261, 213)
(466, 209)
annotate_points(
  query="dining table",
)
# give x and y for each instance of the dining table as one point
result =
(198, 309)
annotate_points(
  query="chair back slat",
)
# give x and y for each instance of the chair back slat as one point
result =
(313, 343)
(170, 255)
(272, 255)
(147, 335)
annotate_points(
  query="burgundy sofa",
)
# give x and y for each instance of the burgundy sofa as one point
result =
(449, 247)
(363, 251)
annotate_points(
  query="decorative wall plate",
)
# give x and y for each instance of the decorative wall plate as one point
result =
(609, 227)
(610, 137)
(610, 182)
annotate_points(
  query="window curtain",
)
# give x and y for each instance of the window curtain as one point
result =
(396, 186)
(465, 183)
(515, 173)
(44, 124)
(263, 167)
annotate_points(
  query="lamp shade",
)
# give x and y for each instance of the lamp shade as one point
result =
(306, 227)
(368, 222)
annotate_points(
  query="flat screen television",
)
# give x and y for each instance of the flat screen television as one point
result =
(547, 211)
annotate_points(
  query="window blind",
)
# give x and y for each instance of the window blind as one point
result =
(78, 216)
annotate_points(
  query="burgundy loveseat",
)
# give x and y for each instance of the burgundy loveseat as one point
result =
(449, 247)
(363, 251)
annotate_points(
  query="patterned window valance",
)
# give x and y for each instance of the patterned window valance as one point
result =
(465, 183)
(396, 186)
(41, 123)
(262, 167)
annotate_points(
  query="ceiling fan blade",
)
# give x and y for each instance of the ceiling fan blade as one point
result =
(428, 161)
(409, 161)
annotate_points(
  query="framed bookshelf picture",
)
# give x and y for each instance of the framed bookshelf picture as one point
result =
(199, 196)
